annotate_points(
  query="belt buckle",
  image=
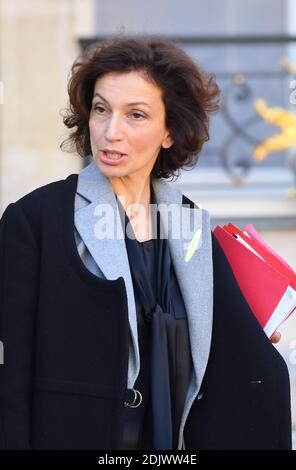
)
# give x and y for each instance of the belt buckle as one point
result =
(133, 403)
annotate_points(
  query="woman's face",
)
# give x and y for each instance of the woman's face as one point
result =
(127, 116)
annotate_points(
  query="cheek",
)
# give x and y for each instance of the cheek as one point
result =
(139, 141)
(94, 129)
(146, 139)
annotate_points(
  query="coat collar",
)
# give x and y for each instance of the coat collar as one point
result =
(195, 277)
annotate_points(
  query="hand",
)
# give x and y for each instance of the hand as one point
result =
(275, 338)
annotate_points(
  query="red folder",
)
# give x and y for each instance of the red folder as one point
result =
(250, 230)
(268, 285)
(268, 256)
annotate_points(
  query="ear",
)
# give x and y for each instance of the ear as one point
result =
(167, 142)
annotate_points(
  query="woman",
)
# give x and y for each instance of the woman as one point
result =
(113, 337)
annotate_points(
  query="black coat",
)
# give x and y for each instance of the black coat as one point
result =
(63, 382)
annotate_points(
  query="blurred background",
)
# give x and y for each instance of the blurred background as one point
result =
(246, 172)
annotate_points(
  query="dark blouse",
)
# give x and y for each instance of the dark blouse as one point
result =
(164, 345)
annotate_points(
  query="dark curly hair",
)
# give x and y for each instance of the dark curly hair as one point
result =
(189, 95)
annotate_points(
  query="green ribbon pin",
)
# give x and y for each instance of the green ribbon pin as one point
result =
(193, 245)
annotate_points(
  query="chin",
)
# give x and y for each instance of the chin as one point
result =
(110, 171)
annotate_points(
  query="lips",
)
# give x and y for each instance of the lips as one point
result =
(111, 158)
(112, 155)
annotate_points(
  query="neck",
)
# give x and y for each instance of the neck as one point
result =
(132, 190)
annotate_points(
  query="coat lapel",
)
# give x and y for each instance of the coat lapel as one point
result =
(195, 279)
(109, 253)
(195, 276)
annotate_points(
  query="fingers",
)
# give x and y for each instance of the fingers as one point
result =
(275, 338)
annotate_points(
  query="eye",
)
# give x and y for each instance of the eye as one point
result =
(98, 107)
(138, 115)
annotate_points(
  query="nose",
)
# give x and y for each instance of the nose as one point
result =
(113, 129)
